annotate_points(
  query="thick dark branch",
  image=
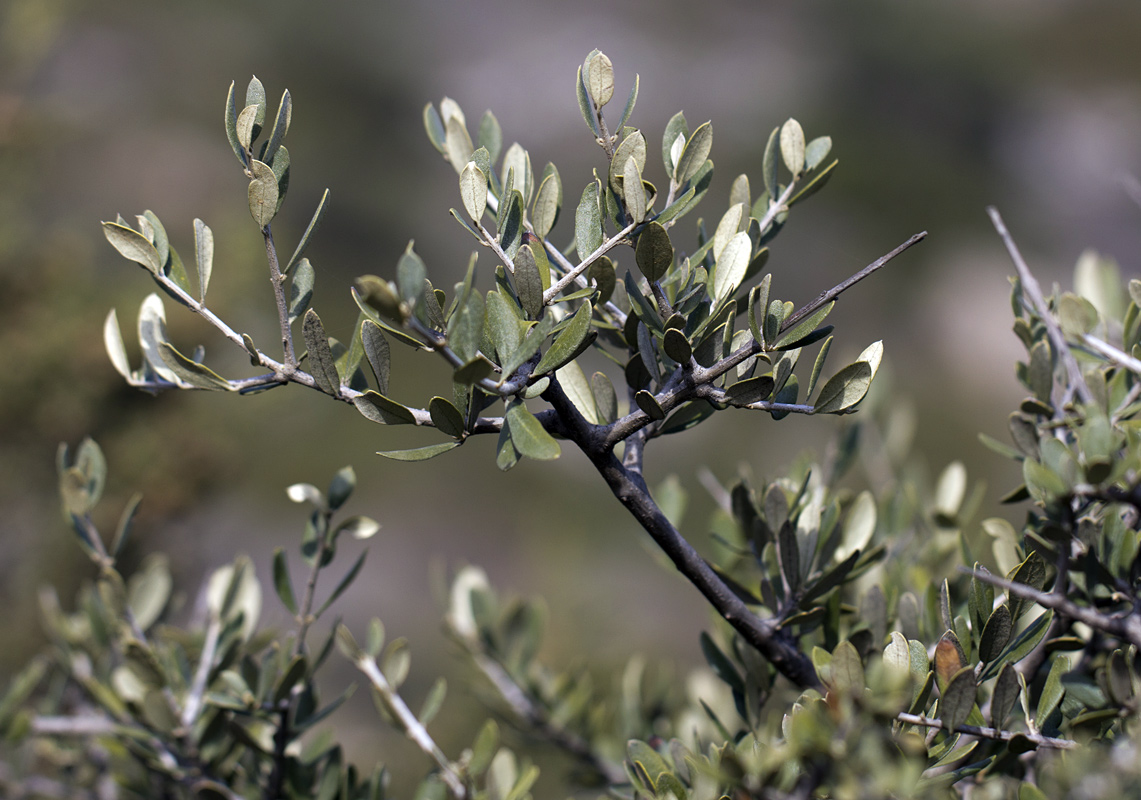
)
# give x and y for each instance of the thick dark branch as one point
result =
(631, 490)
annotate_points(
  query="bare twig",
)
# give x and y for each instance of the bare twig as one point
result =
(1033, 291)
(573, 274)
(988, 733)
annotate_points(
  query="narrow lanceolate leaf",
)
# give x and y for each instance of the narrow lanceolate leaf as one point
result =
(232, 123)
(632, 192)
(420, 453)
(958, 698)
(309, 229)
(113, 342)
(446, 417)
(848, 386)
(263, 193)
(528, 282)
(344, 583)
(730, 268)
(377, 352)
(322, 365)
(588, 222)
(792, 146)
(654, 253)
(133, 245)
(301, 290)
(769, 164)
(996, 634)
(802, 329)
(570, 342)
(1052, 690)
(280, 126)
(1004, 696)
(545, 212)
(694, 154)
(381, 409)
(203, 255)
(473, 191)
(191, 371)
(528, 435)
(281, 582)
(584, 104)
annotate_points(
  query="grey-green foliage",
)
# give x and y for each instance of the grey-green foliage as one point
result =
(849, 658)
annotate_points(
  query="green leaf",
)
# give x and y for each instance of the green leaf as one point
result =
(1052, 690)
(695, 153)
(677, 346)
(675, 128)
(377, 352)
(322, 365)
(133, 246)
(420, 453)
(344, 583)
(433, 701)
(255, 96)
(573, 381)
(848, 386)
(231, 121)
(599, 78)
(263, 193)
(528, 435)
(792, 146)
(646, 401)
(847, 670)
(793, 336)
(113, 343)
(633, 193)
(814, 185)
(996, 634)
(457, 142)
(730, 268)
(584, 104)
(191, 371)
(473, 191)
(310, 228)
(203, 255)
(528, 282)
(152, 332)
(769, 165)
(570, 342)
(654, 252)
(446, 417)
(958, 698)
(381, 409)
(588, 222)
(301, 289)
(490, 136)
(410, 276)
(1004, 696)
(751, 390)
(280, 126)
(281, 582)
(548, 201)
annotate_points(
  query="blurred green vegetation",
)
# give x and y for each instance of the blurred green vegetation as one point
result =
(115, 107)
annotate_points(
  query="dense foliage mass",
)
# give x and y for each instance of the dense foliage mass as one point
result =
(871, 643)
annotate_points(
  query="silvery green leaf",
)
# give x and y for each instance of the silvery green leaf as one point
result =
(813, 186)
(629, 109)
(263, 193)
(473, 191)
(490, 136)
(504, 325)
(599, 78)
(232, 124)
(280, 126)
(739, 191)
(190, 371)
(633, 146)
(816, 151)
(728, 227)
(322, 365)
(133, 245)
(548, 201)
(858, 527)
(573, 381)
(420, 453)
(848, 386)
(310, 228)
(769, 165)
(359, 527)
(676, 129)
(377, 352)
(528, 282)
(803, 328)
(695, 153)
(518, 160)
(280, 166)
(113, 342)
(255, 96)
(633, 194)
(410, 275)
(465, 328)
(301, 289)
(570, 342)
(654, 252)
(434, 127)
(584, 104)
(588, 222)
(446, 417)
(792, 146)
(382, 410)
(247, 120)
(457, 142)
(203, 255)
(730, 268)
(605, 398)
(152, 331)
(528, 436)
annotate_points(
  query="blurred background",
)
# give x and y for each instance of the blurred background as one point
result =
(935, 110)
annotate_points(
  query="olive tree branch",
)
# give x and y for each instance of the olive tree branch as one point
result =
(278, 281)
(573, 273)
(996, 734)
(629, 487)
(1033, 291)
